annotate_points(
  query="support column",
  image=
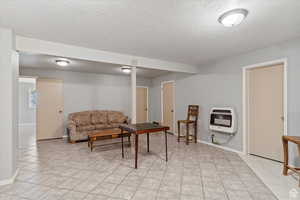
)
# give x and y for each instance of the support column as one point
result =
(133, 97)
(9, 72)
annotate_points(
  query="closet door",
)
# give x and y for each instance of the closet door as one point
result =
(49, 109)
(266, 124)
(141, 104)
(168, 105)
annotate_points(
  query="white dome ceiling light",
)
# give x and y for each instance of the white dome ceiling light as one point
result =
(233, 17)
(126, 69)
(62, 62)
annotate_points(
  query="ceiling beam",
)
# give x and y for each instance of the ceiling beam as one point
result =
(31, 45)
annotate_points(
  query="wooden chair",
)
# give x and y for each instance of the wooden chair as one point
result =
(286, 166)
(192, 118)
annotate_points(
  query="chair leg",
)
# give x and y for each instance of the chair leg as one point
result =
(178, 137)
(187, 133)
(286, 156)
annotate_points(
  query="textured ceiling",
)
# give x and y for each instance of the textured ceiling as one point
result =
(183, 31)
(46, 62)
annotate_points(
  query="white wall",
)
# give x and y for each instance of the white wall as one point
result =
(8, 106)
(220, 84)
(87, 91)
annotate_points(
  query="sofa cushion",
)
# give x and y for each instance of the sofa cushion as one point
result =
(101, 126)
(99, 117)
(114, 125)
(82, 119)
(115, 117)
(86, 128)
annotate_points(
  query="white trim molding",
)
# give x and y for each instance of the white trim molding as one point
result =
(10, 180)
(31, 45)
(245, 105)
(220, 147)
(162, 105)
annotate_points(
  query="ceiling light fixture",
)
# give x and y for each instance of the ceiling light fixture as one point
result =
(233, 17)
(126, 69)
(62, 62)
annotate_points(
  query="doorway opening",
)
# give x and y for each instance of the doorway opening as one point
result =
(265, 109)
(27, 112)
(168, 104)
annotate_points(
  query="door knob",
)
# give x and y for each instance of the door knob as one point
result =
(172, 110)
(60, 111)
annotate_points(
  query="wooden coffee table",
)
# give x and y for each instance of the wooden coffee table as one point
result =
(113, 132)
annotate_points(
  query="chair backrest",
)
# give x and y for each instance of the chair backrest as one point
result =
(193, 112)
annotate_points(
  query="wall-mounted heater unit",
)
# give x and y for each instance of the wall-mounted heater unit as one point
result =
(223, 120)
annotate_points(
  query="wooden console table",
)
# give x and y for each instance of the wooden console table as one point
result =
(286, 166)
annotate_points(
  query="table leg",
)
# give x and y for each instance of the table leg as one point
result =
(187, 133)
(89, 139)
(136, 149)
(196, 131)
(286, 156)
(92, 143)
(166, 141)
(122, 139)
(178, 138)
(148, 142)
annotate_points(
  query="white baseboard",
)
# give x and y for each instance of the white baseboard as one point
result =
(10, 180)
(221, 147)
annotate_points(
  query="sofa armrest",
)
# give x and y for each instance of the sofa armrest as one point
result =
(127, 120)
(71, 130)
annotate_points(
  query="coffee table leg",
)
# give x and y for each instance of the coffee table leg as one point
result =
(136, 149)
(122, 143)
(148, 142)
(166, 141)
(129, 140)
(92, 143)
(187, 133)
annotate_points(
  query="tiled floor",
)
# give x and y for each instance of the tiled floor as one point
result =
(55, 170)
(270, 172)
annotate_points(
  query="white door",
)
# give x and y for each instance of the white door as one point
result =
(49, 109)
(266, 111)
(141, 104)
(168, 104)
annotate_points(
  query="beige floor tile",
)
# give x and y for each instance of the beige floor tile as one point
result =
(55, 169)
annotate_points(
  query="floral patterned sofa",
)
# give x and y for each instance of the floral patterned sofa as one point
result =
(80, 124)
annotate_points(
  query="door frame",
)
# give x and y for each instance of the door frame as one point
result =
(246, 141)
(147, 100)
(162, 101)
